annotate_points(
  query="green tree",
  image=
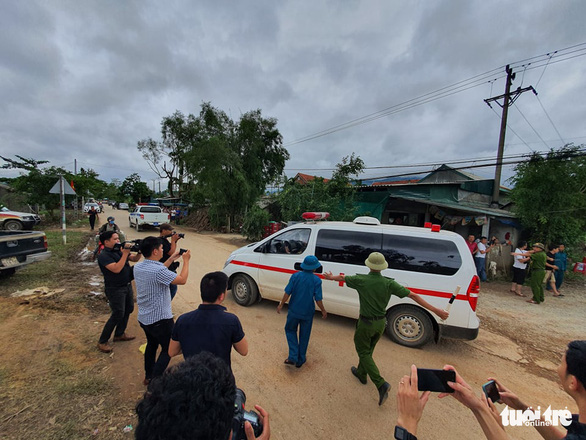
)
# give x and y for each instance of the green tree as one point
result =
(220, 162)
(335, 196)
(134, 189)
(550, 194)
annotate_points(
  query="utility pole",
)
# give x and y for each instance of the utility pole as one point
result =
(508, 100)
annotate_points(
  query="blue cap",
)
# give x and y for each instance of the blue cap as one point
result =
(310, 263)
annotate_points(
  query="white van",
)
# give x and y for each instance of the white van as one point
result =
(427, 261)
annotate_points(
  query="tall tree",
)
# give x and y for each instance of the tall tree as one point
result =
(227, 164)
(550, 194)
(132, 187)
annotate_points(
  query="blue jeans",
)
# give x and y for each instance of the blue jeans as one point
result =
(480, 268)
(121, 300)
(298, 346)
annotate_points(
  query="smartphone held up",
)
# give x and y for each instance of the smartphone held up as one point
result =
(435, 381)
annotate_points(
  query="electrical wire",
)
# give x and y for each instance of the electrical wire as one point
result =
(460, 86)
(550, 120)
(533, 128)
(509, 127)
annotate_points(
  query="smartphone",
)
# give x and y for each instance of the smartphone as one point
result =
(435, 380)
(182, 251)
(491, 391)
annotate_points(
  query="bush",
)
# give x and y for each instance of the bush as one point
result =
(254, 222)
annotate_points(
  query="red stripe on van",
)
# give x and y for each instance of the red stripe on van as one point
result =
(435, 293)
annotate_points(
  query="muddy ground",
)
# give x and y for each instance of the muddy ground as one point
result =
(519, 343)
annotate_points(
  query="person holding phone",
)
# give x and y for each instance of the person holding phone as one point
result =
(410, 406)
(572, 375)
(374, 293)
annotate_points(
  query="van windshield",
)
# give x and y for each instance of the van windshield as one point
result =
(289, 242)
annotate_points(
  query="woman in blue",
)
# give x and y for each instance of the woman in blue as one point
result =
(303, 288)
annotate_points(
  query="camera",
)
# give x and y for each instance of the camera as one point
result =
(134, 245)
(241, 416)
(180, 235)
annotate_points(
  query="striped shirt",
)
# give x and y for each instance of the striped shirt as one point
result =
(152, 291)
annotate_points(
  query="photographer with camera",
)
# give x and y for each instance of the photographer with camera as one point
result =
(113, 262)
(153, 297)
(166, 231)
(198, 399)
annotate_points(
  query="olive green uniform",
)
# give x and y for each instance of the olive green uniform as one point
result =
(538, 261)
(374, 292)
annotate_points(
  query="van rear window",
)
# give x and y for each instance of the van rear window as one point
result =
(440, 257)
(350, 247)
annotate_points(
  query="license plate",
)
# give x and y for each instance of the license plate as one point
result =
(155, 223)
(9, 262)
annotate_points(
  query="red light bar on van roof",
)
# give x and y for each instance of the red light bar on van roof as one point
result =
(435, 228)
(315, 215)
(427, 225)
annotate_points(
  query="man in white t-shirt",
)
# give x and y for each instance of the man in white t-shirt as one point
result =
(519, 268)
(480, 258)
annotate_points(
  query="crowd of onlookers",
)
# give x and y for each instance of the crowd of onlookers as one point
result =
(538, 265)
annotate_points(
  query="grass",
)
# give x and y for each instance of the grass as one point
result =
(53, 271)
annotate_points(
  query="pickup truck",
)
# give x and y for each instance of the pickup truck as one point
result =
(19, 248)
(147, 215)
(15, 221)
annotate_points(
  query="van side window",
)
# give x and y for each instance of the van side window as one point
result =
(440, 257)
(348, 247)
(289, 242)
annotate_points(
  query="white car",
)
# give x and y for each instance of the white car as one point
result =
(429, 262)
(123, 205)
(15, 221)
(88, 206)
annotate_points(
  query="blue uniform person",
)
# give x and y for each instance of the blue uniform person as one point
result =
(303, 289)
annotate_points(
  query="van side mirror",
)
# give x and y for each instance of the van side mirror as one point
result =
(318, 270)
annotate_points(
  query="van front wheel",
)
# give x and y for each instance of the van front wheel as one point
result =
(244, 290)
(409, 326)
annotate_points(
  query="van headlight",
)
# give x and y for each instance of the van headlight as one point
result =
(229, 260)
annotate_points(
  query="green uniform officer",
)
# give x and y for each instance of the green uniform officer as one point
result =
(374, 293)
(538, 264)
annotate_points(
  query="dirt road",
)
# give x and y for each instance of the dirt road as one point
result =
(519, 343)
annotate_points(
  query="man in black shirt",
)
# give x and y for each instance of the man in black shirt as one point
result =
(169, 248)
(113, 263)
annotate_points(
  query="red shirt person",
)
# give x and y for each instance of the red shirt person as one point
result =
(472, 244)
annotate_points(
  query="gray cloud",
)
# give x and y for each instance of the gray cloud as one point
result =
(87, 80)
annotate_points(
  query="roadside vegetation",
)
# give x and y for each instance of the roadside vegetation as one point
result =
(51, 381)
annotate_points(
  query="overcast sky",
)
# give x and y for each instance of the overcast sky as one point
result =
(87, 80)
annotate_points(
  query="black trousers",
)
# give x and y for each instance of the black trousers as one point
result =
(121, 300)
(157, 334)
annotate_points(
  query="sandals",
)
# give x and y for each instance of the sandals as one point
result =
(520, 294)
(532, 302)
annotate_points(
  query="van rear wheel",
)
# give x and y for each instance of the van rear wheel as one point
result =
(244, 290)
(409, 326)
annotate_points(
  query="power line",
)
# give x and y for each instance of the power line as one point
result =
(430, 164)
(533, 128)
(514, 132)
(546, 114)
(460, 86)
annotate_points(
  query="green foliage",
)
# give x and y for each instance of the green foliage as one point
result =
(550, 195)
(335, 196)
(220, 162)
(134, 189)
(254, 222)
